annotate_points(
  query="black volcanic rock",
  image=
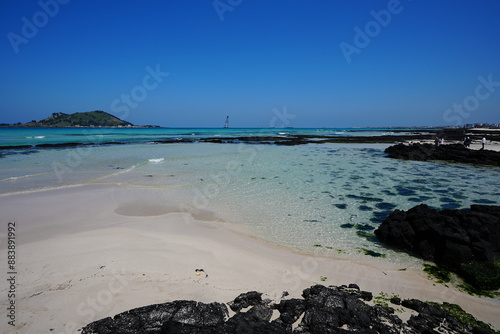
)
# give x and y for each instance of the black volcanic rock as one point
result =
(323, 310)
(246, 299)
(464, 241)
(453, 152)
(290, 311)
(329, 308)
(183, 316)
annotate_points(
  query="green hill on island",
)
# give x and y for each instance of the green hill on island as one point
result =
(79, 119)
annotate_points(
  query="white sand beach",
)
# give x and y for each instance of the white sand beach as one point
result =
(77, 261)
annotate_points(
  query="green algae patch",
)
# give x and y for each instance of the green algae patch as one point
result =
(473, 291)
(443, 276)
(366, 235)
(383, 300)
(463, 317)
(440, 275)
(369, 252)
(482, 275)
(328, 247)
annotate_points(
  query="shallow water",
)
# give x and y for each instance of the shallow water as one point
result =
(325, 198)
(37, 136)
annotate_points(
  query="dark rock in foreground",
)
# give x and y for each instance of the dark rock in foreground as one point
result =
(322, 310)
(453, 152)
(464, 241)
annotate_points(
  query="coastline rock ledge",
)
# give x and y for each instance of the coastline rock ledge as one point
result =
(465, 241)
(451, 152)
(322, 310)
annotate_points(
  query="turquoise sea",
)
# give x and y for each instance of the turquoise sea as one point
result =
(35, 136)
(321, 198)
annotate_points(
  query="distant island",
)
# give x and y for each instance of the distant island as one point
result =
(97, 118)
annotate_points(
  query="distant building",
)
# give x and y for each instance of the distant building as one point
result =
(481, 125)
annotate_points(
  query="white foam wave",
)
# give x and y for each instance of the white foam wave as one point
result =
(13, 178)
(121, 171)
(156, 161)
(42, 189)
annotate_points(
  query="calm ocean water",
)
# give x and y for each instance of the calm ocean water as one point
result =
(324, 198)
(35, 136)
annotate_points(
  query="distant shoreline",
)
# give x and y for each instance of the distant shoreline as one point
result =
(14, 126)
(392, 128)
(286, 138)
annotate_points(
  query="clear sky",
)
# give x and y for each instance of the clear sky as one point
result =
(189, 63)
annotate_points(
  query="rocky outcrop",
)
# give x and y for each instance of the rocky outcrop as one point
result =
(79, 119)
(465, 241)
(298, 139)
(322, 310)
(453, 152)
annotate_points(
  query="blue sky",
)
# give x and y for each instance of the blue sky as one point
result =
(189, 63)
